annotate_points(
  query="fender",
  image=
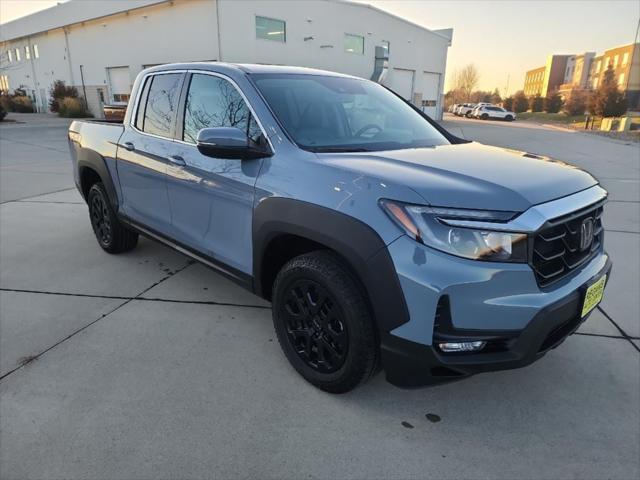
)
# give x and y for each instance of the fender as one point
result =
(350, 238)
(90, 159)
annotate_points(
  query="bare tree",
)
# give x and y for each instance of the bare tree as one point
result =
(466, 80)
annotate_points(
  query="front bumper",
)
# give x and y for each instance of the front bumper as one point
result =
(519, 321)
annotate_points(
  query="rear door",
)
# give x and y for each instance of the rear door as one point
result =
(212, 198)
(146, 148)
(431, 89)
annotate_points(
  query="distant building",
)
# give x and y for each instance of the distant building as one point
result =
(547, 79)
(99, 47)
(625, 61)
(533, 82)
(564, 74)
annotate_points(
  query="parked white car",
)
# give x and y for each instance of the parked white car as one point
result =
(465, 109)
(486, 112)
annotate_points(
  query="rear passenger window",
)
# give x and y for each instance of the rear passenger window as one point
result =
(161, 104)
(142, 103)
(214, 102)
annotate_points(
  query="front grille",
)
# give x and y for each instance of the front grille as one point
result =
(557, 247)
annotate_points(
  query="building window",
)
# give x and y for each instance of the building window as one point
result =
(4, 83)
(271, 29)
(36, 54)
(386, 45)
(615, 61)
(621, 80)
(625, 59)
(353, 43)
(27, 52)
(121, 97)
(10, 55)
(595, 83)
(17, 54)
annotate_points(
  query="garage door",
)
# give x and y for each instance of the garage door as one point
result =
(402, 83)
(119, 84)
(430, 93)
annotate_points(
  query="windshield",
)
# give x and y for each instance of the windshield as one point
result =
(338, 114)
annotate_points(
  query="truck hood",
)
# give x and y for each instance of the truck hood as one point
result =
(470, 175)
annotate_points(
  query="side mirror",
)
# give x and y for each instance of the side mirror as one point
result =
(230, 142)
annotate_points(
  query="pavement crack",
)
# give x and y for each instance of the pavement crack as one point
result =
(136, 298)
(15, 200)
(33, 145)
(620, 329)
(27, 360)
(587, 334)
(46, 201)
(31, 358)
(621, 231)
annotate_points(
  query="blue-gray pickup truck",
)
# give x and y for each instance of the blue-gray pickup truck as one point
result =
(382, 241)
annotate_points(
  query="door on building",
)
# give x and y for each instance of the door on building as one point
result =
(401, 82)
(431, 92)
(119, 84)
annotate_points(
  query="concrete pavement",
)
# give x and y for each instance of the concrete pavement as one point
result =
(146, 365)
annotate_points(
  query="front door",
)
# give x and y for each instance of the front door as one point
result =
(145, 150)
(212, 198)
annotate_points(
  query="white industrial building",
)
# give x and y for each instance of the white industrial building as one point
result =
(100, 46)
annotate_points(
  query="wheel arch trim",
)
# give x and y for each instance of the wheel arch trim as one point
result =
(352, 239)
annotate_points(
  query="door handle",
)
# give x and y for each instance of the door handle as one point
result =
(129, 146)
(177, 160)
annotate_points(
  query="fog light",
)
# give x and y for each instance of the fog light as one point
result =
(461, 346)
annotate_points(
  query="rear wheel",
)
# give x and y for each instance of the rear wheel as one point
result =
(468, 114)
(323, 322)
(484, 116)
(112, 236)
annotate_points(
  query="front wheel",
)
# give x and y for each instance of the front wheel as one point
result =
(112, 236)
(323, 322)
(509, 118)
(484, 116)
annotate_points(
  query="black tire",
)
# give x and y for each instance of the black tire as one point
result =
(112, 236)
(484, 116)
(509, 118)
(468, 114)
(318, 304)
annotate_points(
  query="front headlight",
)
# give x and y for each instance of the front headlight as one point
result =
(428, 225)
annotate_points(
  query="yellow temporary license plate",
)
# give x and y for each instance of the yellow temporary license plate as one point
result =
(594, 295)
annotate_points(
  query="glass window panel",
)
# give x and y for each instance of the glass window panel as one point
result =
(353, 43)
(270, 29)
(214, 102)
(161, 104)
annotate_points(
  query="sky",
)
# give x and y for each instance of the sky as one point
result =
(503, 38)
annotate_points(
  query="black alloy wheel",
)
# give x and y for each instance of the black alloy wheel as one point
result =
(315, 326)
(323, 322)
(100, 219)
(111, 234)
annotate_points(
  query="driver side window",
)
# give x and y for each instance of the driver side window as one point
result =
(214, 102)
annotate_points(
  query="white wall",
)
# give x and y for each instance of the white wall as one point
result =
(186, 30)
(412, 47)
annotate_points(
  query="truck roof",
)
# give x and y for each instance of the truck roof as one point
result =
(246, 68)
